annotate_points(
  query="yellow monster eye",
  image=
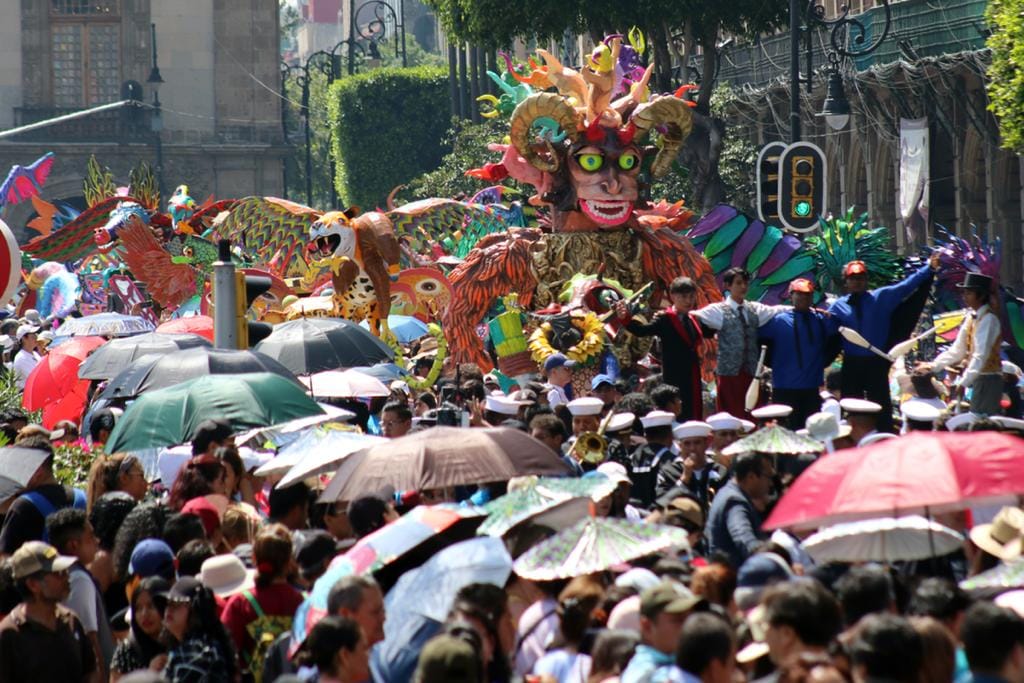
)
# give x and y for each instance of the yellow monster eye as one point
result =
(590, 162)
(627, 162)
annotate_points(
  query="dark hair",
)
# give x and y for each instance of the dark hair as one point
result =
(888, 647)
(489, 603)
(921, 379)
(146, 520)
(208, 432)
(347, 593)
(748, 463)
(498, 668)
(682, 285)
(833, 379)
(282, 501)
(182, 528)
(807, 608)
(195, 480)
(574, 616)
(865, 590)
(427, 399)
(989, 634)
(330, 635)
(37, 442)
(550, 423)
(145, 645)
(732, 273)
(473, 389)
(705, 637)
(108, 514)
(636, 402)
(102, 420)
(366, 514)
(192, 555)
(399, 409)
(612, 650)
(230, 457)
(939, 598)
(204, 620)
(65, 525)
(272, 553)
(664, 395)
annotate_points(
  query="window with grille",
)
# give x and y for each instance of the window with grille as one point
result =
(85, 52)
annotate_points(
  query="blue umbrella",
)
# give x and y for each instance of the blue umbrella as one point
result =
(406, 328)
(385, 372)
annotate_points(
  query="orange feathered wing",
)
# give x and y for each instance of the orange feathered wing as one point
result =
(167, 282)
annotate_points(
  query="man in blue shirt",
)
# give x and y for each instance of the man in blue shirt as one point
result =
(798, 359)
(866, 375)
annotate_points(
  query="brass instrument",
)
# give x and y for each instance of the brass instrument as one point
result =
(592, 447)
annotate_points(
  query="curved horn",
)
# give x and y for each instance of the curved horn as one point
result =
(673, 113)
(532, 108)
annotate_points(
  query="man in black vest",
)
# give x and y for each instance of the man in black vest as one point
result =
(647, 460)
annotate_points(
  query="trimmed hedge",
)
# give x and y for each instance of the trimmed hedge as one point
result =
(387, 127)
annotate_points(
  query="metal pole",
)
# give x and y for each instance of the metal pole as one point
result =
(474, 83)
(794, 70)
(69, 117)
(351, 37)
(401, 18)
(309, 150)
(225, 298)
(464, 104)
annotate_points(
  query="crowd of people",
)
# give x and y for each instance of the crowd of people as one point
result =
(197, 570)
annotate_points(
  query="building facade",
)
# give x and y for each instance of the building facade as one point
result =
(220, 121)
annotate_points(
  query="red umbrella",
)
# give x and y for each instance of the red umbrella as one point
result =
(193, 324)
(70, 406)
(57, 373)
(920, 473)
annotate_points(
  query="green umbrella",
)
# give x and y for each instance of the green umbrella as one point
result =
(594, 545)
(542, 495)
(170, 416)
(775, 440)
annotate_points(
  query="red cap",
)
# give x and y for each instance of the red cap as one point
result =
(855, 268)
(802, 285)
(206, 511)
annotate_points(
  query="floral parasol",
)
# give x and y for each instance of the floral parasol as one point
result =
(539, 496)
(775, 440)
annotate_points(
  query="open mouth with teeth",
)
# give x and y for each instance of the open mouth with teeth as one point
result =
(606, 212)
(325, 246)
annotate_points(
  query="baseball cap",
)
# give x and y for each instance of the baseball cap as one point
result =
(801, 285)
(667, 597)
(25, 329)
(184, 589)
(207, 513)
(599, 380)
(855, 268)
(557, 360)
(35, 556)
(757, 573)
(152, 557)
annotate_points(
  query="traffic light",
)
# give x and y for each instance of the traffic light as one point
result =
(768, 182)
(248, 288)
(802, 175)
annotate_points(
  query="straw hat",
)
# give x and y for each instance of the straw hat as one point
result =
(226, 575)
(1001, 538)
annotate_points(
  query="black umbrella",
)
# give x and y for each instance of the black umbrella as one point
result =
(116, 355)
(312, 345)
(17, 465)
(157, 372)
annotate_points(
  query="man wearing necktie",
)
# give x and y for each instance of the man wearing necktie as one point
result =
(737, 322)
(870, 312)
(798, 356)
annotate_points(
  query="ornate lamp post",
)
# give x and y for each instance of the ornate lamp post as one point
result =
(156, 121)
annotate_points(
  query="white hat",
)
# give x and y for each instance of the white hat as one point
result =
(1010, 423)
(724, 422)
(619, 421)
(748, 426)
(25, 329)
(47, 336)
(961, 420)
(919, 411)
(1009, 368)
(657, 418)
(226, 575)
(502, 405)
(32, 315)
(400, 385)
(772, 411)
(824, 427)
(523, 397)
(691, 429)
(639, 578)
(860, 406)
(587, 405)
(875, 438)
(616, 472)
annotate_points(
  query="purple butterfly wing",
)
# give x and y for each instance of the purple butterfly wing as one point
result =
(40, 169)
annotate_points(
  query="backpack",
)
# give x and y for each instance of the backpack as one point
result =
(45, 507)
(264, 630)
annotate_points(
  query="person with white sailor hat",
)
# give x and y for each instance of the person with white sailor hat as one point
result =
(725, 429)
(824, 427)
(647, 460)
(862, 415)
(619, 434)
(770, 414)
(497, 409)
(919, 415)
(586, 417)
(691, 469)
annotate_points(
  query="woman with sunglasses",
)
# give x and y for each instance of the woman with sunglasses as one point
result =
(118, 472)
(143, 645)
(200, 649)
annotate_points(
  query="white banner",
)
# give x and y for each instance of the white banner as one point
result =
(914, 174)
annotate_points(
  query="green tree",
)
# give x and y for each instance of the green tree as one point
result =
(468, 143)
(289, 20)
(1005, 75)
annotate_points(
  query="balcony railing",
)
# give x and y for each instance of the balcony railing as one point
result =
(130, 124)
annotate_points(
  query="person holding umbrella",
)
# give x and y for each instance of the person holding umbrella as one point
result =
(977, 346)
(28, 356)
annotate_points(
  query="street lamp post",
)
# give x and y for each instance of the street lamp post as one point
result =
(156, 121)
(848, 38)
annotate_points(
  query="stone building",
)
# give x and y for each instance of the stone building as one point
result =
(220, 129)
(931, 66)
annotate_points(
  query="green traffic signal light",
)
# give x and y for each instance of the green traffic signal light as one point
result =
(802, 209)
